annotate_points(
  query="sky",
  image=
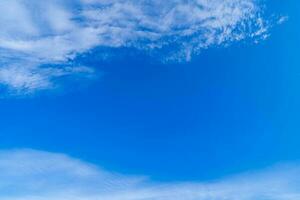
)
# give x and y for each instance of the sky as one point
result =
(149, 100)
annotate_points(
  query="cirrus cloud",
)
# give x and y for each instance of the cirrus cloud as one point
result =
(52, 32)
(36, 175)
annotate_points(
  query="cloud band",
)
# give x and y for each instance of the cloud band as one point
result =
(36, 35)
(36, 175)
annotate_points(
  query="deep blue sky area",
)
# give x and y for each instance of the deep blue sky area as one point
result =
(228, 110)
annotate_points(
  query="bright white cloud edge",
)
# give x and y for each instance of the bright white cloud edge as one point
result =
(36, 175)
(37, 35)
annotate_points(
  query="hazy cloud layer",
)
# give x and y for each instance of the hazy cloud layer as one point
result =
(36, 35)
(35, 175)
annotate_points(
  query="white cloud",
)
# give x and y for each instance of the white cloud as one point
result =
(35, 33)
(282, 19)
(26, 79)
(36, 175)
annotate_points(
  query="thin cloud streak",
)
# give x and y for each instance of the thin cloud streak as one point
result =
(36, 175)
(53, 32)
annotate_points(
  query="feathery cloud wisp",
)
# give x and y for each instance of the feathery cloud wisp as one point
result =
(36, 175)
(53, 32)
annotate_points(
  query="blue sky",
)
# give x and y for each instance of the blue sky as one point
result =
(116, 99)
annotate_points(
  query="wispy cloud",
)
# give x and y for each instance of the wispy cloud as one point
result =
(26, 79)
(36, 175)
(54, 32)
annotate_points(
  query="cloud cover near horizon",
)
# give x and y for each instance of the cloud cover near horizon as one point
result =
(37, 175)
(40, 39)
